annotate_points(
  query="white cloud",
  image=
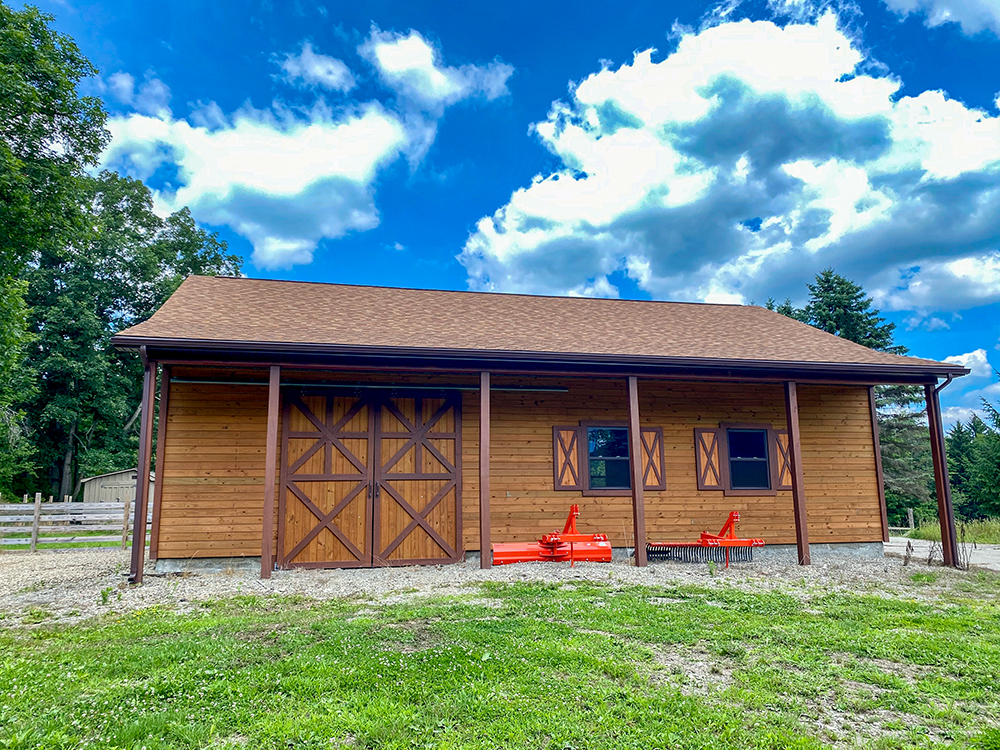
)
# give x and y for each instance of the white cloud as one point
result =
(283, 178)
(311, 68)
(975, 361)
(941, 284)
(952, 414)
(972, 15)
(412, 67)
(281, 181)
(742, 163)
(122, 87)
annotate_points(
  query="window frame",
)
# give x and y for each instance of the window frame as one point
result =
(586, 425)
(724, 459)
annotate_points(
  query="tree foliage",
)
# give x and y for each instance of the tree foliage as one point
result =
(81, 257)
(974, 463)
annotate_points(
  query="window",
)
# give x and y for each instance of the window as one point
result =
(607, 454)
(748, 460)
(742, 459)
(592, 457)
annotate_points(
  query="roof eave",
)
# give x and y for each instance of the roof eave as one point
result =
(541, 359)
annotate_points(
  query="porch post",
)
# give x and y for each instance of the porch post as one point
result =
(635, 464)
(271, 459)
(880, 478)
(485, 548)
(161, 446)
(798, 483)
(142, 469)
(946, 512)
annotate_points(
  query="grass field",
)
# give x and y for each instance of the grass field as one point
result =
(980, 532)
(516, 666)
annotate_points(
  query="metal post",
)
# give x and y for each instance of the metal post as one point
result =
(946, 512)
(142, 472)
(485, 547)
(635, 464)
(270, 474)
(798, 482)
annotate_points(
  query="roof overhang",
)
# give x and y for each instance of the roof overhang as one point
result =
(293, 354)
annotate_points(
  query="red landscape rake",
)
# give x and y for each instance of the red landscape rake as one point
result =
(721, 547)
(559, 546)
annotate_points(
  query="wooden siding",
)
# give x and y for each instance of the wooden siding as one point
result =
(214, 462)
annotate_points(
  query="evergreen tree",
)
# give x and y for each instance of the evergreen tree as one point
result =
(984, 466)
(839, 306)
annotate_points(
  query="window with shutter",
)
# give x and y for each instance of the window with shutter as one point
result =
(742, 459)
(593, 458)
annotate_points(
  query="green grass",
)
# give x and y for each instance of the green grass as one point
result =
(531, 666)
(981, 532)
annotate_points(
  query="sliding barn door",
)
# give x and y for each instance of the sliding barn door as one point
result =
(325, 502)
(417, 509)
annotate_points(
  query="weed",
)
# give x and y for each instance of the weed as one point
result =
(106, 595)
(32, 588)
(35, 615)
(924, 577)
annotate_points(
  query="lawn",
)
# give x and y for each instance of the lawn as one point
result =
(985, 531)
(542, 666)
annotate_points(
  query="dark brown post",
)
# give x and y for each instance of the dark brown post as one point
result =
(142, 470)
(270, 466)
(161, 446)
(798, 483)
(485, 548)
(635, 464)
(880, 478)
(946, 513)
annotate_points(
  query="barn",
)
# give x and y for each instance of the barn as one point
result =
(324, 425)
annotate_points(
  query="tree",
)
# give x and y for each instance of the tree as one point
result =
(49, 135)
(983, 489)
(80, 295)
(839, 306)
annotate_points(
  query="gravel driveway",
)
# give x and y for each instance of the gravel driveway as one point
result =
(68, 586)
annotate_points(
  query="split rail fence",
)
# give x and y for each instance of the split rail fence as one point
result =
(47, 525)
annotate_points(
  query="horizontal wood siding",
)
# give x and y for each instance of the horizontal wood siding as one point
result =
(214, 463)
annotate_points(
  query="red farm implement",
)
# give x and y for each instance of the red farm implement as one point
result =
(721, 547)
(567, 545)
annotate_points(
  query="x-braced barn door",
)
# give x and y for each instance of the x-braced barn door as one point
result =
(325, 499)
(417, 483)
(369, 480)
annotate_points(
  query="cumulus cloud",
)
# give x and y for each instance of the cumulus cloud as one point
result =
(310, 68)
(283, 178)
(975, 361)
(972, 16)
(739, 165)
(412, 67)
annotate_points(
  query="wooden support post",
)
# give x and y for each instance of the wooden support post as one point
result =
(909, 518)
(946, 512)
(270, 471)
(34, 521)
(798, 483)
(880, 478)
(485, 546)
(128, 507)
(161, 447)
(142, 470)
(635, 464)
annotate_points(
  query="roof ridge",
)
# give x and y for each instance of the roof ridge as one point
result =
(475, 292)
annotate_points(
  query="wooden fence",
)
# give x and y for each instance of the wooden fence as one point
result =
(40, 525)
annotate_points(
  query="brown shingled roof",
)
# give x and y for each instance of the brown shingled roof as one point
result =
(235, 313)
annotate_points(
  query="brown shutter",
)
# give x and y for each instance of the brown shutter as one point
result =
(566, 452)
(781, 466)
(708, 458)
(653, 476)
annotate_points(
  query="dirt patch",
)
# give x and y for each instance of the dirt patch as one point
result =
(694, 671)
(414, 636)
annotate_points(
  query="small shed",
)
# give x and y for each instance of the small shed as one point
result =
(113, 487)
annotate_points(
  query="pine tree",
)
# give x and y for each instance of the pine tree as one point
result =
(839, 306)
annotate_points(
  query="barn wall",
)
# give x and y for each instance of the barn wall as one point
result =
(215, 441)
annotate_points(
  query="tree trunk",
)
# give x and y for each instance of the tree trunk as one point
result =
(66, 479)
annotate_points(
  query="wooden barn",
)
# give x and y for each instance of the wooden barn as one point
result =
(322, 425)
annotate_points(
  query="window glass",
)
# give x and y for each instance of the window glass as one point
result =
(748, 466)
(608, 457)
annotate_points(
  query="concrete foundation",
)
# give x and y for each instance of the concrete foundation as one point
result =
(208, 565)
(789, 553)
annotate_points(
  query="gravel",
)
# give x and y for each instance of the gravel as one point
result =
(67, 586)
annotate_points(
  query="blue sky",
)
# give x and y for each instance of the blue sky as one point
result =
(722, 152)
